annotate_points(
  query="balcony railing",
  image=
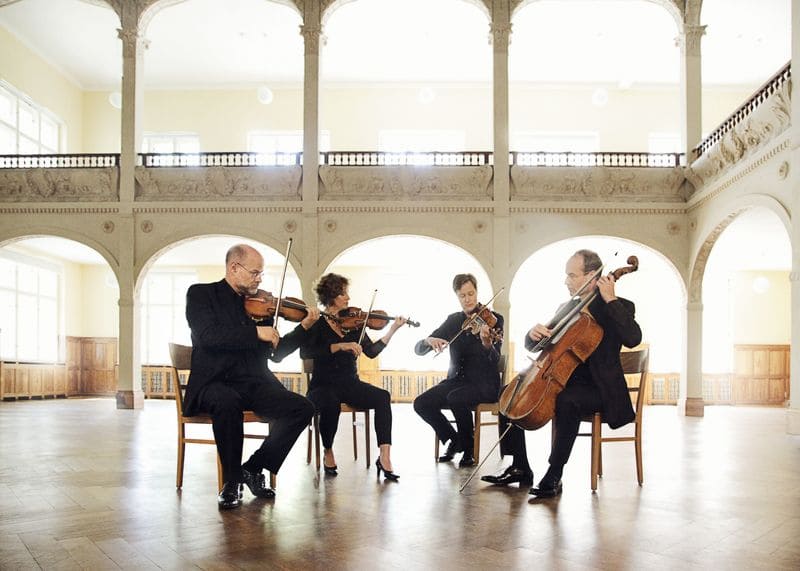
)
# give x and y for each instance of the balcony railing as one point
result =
(432, 158)
(772, 85)
(219, 159)
(569, 159)
(59, 161)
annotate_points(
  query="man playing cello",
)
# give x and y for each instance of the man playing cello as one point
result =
(596, 385)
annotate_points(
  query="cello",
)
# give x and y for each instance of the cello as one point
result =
(529, 400)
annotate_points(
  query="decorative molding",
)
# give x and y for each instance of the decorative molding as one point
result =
(500, 36)
(108, 226)
(146, 226)
(57, 210)
(598, 184)
(691, 39)
(214, 183)
(216, 209)
(313, 38)
(699, 266)
(407, 209)
(59, 185)
(750, 168)
(763, 125)
(405, 183)
(594, 210)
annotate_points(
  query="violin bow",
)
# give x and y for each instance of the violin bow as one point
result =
(283, 280)
(468, 322)
(364, 328)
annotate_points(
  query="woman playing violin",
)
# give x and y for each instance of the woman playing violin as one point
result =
(335, 376)
(596, 385)
(472, 377)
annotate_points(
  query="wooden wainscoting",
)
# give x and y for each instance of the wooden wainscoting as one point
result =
(32, 380)
(92, 364)
(761, 374)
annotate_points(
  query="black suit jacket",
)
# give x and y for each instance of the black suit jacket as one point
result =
(470, 361)
(619, 328)
(225, 344)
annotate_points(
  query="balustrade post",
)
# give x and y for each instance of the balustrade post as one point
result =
(691, 88)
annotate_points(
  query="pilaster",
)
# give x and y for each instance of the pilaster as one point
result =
(129, 390)
(793, 412)
(133, 47)
(691, 87)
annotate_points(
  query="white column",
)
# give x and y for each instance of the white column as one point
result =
(313, 39)
(793, 412)
(690, 401)
(691, 88)
(129, 390)
(500, 34)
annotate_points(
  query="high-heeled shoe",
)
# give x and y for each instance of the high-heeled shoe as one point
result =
(389, 475)
(330, 470)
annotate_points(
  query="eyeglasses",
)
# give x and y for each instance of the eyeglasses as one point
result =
(253, 273)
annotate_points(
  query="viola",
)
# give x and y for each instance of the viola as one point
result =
(529, 400)
(262, 305)
(352, 318)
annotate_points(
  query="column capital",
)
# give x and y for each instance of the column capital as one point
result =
(689, 40)
(313, 36)
(500, 35)
(131, 40)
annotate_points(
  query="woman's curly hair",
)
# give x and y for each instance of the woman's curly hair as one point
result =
(329, 286)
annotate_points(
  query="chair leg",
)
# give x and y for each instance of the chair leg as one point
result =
(273, 480)
(596, 428)
(639, 468)
(220, 483)
(317, 444)
(366, 436)
(181, 453)
(476, 444)
(310, 431)
(435, 447)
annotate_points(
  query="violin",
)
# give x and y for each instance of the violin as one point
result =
(262, 305)
(481, 316)
(529, 400)
(352, 318)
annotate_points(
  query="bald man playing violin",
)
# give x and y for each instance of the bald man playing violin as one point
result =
(230, 374)
(596, 385)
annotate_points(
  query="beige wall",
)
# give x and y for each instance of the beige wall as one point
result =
(44, 84)
(761, 317)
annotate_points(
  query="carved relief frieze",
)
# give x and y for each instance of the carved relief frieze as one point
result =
(59, 185)
(405, 183)
(764, 123)
(214, 183)
(599, 184)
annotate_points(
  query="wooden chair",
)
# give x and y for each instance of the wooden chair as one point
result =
(313, 428)
(181, 357)
(633, 363)
(477, 413)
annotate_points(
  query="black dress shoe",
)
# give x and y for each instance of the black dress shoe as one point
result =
(229, 496)
(467, 460)
(256, 483)
(547, 489)
(388, 474)
(511, 475)
(330, 470)
(453, 448)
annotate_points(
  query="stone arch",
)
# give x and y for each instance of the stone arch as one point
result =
(328, 7)
(695, 289)
(671, 6)
(171, 241)
(60, 232)
(153, 7)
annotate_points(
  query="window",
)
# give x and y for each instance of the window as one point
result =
(30, 309)
(187, 144)
(555, 142)
(664, 143)
(163, 314)
(270, 145)
(25, 127)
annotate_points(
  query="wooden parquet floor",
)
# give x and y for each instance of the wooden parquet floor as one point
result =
(86, 486)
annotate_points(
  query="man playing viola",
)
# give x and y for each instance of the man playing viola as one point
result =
(472, 377)
(596, 385)
(230, 374)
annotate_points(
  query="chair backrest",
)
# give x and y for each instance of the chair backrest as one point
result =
(181, 357)
(636, 363)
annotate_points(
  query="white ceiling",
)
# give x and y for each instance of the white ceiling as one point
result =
(216, 44)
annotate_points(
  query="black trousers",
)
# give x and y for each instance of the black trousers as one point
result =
(328, 400)
(288, 414)
(579, 398)
(460, 397)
